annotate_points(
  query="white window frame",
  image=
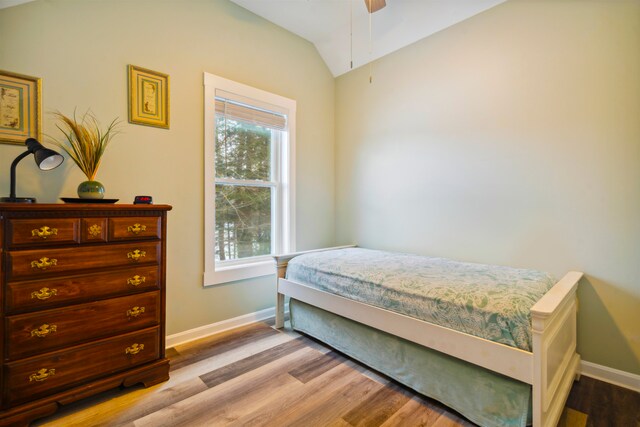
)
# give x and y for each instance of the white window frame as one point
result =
(283, 204)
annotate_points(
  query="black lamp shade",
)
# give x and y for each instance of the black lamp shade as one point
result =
(47, 159)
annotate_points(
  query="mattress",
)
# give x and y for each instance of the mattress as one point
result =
(487, 301)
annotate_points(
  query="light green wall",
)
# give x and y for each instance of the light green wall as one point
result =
(81, 49)
(511, 138)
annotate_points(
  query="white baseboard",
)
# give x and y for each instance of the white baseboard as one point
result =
(225, 325)
(610, 375)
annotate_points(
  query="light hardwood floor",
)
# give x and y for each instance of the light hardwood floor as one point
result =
(256, 375)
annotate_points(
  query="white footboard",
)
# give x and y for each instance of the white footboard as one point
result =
(555, 361)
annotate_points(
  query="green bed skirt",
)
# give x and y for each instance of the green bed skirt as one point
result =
(484, 397)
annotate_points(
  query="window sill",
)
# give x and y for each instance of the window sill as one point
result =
(236, 272)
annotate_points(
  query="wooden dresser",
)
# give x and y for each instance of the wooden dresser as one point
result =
(83, 303)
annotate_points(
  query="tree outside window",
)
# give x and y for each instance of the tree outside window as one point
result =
(243, 209)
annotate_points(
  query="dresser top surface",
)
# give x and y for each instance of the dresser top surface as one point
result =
(84, 207)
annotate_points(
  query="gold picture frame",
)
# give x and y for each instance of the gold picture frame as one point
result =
(20, 108)
(148, 97)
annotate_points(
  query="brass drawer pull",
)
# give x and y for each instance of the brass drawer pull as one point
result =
(134, 349)
(44, 263)
(136, 228)
(136, 280)
(44, 293)
(135, 311)
(94, 231)
(136, 255)
(42, 374)
(43, 330)
(44, 232)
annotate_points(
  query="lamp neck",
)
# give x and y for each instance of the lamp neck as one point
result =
(13, 173)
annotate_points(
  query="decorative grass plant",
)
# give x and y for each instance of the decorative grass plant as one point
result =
(84, 141)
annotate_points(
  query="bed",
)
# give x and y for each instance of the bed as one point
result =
(429, 344)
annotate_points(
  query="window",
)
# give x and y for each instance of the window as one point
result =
(249, 171)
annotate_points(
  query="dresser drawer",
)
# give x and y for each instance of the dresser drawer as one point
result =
(49, 293)
(43, 231)
(93, 230)
(49, 262)
(42, 331)
(38, 376)
(132, 228)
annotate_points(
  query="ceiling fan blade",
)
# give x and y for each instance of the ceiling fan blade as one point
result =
(374, 5)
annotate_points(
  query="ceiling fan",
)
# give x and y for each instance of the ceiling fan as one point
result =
(374, 5)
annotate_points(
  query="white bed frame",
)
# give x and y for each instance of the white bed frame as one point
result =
(550, 368)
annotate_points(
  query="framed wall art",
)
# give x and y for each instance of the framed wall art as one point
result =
(20, 108)
(148, 97)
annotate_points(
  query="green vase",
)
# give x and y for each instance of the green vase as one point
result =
(91, 190)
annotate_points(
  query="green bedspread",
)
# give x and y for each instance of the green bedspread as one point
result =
(490, 302)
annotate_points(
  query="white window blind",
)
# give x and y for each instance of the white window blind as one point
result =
(236, 110)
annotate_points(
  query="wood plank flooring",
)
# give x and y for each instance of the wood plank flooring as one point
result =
(259, 376)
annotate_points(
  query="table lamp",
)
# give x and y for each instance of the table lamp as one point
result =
(45, 158)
